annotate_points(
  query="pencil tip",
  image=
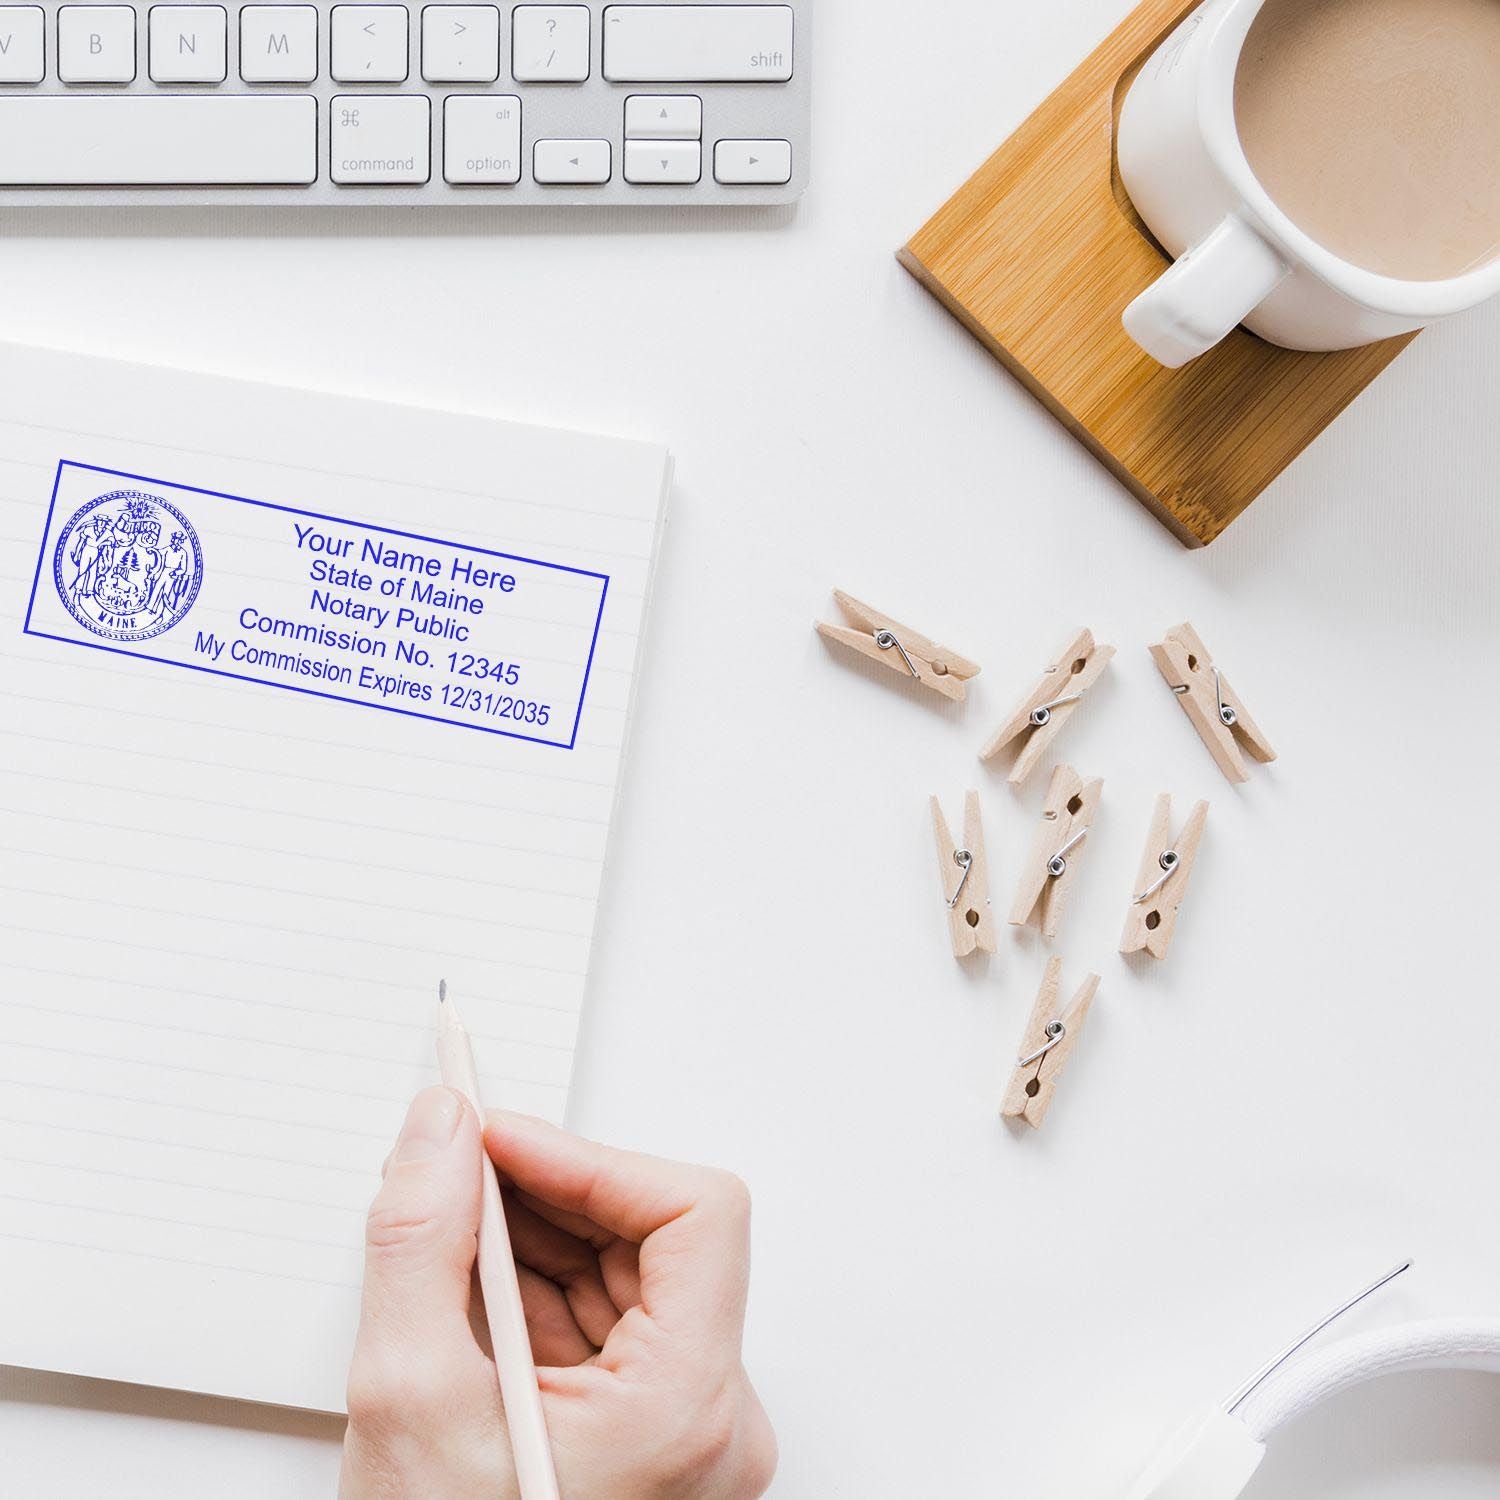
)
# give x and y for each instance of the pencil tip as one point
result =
(442, 991)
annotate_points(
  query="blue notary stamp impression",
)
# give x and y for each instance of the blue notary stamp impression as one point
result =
(128, 565)
(319, 605)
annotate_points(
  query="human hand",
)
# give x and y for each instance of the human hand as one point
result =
(633, 1272)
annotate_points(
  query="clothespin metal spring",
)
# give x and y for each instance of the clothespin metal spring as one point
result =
(1054, 1033)
(1057, 866)
(1041, 716)
(964, 859)
(1169, 862)
(1227, 716)
(886, 639)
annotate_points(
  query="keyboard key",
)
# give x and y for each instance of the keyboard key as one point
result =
(663, 117)
(460, 43)
(279, 43)
(663, 161)
(369, 43)
(561, 162)
(145, 140)
(96, 44)
(187, 43)
(380, 138)
(482, 138)
(22, 49)
(698, 43)
(550, 43)
(739, 162)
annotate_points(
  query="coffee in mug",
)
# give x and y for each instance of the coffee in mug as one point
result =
(1375, 125)
(1324, 172)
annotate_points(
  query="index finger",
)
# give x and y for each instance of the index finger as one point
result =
(692, 1223)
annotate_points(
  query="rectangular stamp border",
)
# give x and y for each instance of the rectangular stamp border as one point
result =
(411, 536)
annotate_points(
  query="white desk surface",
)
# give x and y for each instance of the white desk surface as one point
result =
(1303, 1093)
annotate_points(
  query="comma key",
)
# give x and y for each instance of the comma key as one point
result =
(369, 43)
(482, 138)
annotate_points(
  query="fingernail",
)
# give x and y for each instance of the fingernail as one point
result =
(431, 1124)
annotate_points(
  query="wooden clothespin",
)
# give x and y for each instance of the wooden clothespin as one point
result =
(965, 874)
(1166, 867)
(1067, 815)
(900, 648)
(1050, 704)
(1208, 700)
(1048, 1041)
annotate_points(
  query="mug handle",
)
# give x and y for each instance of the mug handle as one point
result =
(1198, 299)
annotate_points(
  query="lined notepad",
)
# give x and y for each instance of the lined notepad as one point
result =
(231, 875)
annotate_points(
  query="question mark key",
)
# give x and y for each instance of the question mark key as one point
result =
(551, 43)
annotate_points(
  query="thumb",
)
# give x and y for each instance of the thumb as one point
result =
(422, 1231)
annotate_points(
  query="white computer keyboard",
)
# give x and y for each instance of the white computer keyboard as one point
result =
(329, 103)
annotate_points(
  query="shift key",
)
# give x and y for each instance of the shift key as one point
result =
(698, 43)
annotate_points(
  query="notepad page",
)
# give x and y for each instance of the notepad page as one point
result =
(229, 885)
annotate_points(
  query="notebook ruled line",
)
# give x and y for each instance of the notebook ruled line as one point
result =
(351, 1017)
(130, 1213)
(486, 921)
(244, 926)
(180, 1185)
(390, 984)
(162, 757)
(455, 839)
(330, 859)
(405, 757)
(284, 1121)
(171, 1145)
(347, 1053)
(180, 1260)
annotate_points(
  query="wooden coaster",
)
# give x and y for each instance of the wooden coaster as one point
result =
(1040, 252)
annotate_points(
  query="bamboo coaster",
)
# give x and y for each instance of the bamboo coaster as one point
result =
(1039, 253)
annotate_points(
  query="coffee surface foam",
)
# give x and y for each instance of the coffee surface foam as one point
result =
(1375, 125)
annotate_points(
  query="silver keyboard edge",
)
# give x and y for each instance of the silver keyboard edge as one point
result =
(591, 110)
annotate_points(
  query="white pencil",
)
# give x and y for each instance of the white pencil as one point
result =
(498, 1282)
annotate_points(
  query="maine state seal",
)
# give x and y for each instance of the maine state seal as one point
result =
(128, 565)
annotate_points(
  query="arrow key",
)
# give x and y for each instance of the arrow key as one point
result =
(562, 163)
(663, 117)
(751, 163)
(663, 162)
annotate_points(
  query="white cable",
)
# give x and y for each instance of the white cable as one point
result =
(1448, 1344)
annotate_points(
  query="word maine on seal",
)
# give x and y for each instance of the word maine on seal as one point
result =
(374, 552)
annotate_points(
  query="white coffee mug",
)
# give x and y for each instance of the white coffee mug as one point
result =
(1240, 259)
